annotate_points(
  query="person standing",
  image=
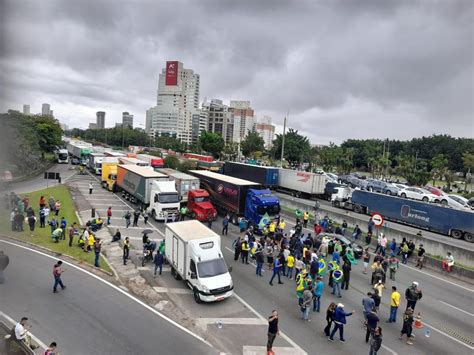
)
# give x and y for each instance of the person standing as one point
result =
(276, 271)
(57, 207)
(413, 294)
(183, 212)
(71, 232)
(97, 249)
(318, 292)
(290, 263)
(346, 274)
(126, 250)
(32, 223)
(305, 219)
(372, 320)
(225, 225)
(127, 215)
(336, 284)
(307, 299)
(375, 341)
(329, 318)
(420, 258)
(158, 261)
(63, 225)
(393, 266)
(339, 322)
(394, 304)
(245, 252)
(91, 187)
(57, 272)
(259, 258)
(52, 349)
(273, 331)
(136, 215)
(109, 215)
(42, 215)
(405, 251)
(379, 286)
(407, 328)
(383, 244)
(368, 303)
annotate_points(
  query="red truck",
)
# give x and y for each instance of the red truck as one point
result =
(200, 206)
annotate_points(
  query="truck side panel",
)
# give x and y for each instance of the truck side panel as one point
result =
(309, 183)
(134, 184)
(420, 214)
(175, 251)
(259, 174)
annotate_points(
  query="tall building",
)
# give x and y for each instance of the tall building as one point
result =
(46, 109)
(244, 120)
(100, 122)
(219, 119)
(26, 109)
(127, 120)
(92, 125)
(199, 125)
(266, 130)
(177, 102)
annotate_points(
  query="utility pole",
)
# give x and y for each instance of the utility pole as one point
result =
(283, 139)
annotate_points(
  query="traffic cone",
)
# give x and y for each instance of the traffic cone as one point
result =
(418, 323)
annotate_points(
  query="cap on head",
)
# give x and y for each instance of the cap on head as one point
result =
(340, 305)
(415, 283)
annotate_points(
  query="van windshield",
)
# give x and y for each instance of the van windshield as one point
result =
(168, 197)
(212, 268)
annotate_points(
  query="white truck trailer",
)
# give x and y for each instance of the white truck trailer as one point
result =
(301, 183)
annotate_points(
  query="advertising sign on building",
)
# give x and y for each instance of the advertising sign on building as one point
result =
(171, 73)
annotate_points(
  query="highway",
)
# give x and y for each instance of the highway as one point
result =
(90, 316)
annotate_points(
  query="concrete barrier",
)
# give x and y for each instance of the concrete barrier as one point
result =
(434, 244)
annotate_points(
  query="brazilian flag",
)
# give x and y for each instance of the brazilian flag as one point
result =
(299, 213)
(264, 221)
(350, 256)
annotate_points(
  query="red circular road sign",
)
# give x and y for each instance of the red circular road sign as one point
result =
(377, 219)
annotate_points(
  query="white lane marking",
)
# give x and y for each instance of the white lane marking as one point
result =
(389, 350)
(13, 322)
(418, 270)
(123, 227)
(448, 336)
(180, 291)
(281, 350)
(283, 335)
(107, 204)
(118, 289)
(459, 309)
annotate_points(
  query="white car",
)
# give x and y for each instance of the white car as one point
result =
(460, 199)
(417, 193)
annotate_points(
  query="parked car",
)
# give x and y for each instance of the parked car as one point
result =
(400, 186)
(462, 200)
(382, 187)
(353, 181)
(434, 190)
(333, 176)
(358, 250)
(417, 193)
(471, 202)
(75, 161)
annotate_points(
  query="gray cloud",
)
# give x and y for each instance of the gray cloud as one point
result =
(343, 68)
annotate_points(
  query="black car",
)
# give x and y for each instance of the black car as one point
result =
(358, 250)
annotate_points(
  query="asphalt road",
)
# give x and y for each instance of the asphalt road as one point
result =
(89, 317)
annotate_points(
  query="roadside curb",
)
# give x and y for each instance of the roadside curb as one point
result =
(77, 261)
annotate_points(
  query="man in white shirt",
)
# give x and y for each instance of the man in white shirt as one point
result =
(21, 333)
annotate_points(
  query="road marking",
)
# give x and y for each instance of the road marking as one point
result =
(106, 204)
(280, 350)
(123, 227)
(204, 322)
(181, 291)
(447, 335)
(459, 309)
(13, 322)
(118, 289)
(283, 335)
(389, 350)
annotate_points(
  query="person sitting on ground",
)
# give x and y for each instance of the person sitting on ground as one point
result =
(448, 263)
(116, 236)
(99, 222)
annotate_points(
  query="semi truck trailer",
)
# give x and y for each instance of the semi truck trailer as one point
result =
(301, 183)
(264, 175)
(109, 173)
(184, 182)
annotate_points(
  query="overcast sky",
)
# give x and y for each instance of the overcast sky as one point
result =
(343, 69)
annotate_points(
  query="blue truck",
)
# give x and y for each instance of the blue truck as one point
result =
(237, 197)
(264, 175)
(424, 215)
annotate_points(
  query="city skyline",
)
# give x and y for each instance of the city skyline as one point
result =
(396, 70)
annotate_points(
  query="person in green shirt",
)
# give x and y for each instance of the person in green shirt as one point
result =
(183, 212)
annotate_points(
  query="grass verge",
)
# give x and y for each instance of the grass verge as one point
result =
(42, 236)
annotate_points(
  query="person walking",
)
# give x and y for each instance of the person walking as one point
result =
(339, 322)
(91, 187)
(413, 294)
(225, 225)
(57, 272)
(276, 271)
(314, 268)
(318, 292)
(407, 328)
(109, 215)
(420, 258)
(372, 321)
(273, 331)
(237, 248)
(126, 250)
(136, 215)
(394, 304)
(71, 231)
(375, 341)
(383, 244)
(346, 274)
(405, 251)
(307, 299)
(97, 250)
(158, 260)
(52, 349)
(127, 215)
(329, 318)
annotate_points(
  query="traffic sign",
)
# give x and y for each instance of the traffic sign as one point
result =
(377, 219)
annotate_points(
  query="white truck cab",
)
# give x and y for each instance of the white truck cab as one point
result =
(164, 200)
(194, 253)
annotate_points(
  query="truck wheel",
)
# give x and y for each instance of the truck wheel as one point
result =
(196, 296)
(337, 203)
(456, 234)
(358, 209)
(469, 237)
(298, 194)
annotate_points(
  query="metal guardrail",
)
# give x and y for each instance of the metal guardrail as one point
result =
(11, 346)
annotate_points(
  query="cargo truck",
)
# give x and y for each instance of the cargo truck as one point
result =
(155, 162)
(184, 182)
(62, 156)
(136, 182)
(133, 161)
(164, 200)
(79, 150)
(200, 206)
(95, 162)
(238, 197)
(195, 256)
(109, 173)
(424, 215)
(264, 175)
(301, 183)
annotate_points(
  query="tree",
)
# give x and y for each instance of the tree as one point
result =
(297, 147)
(231, 151)
(172, 162)
(439, 166)
(212, 143)
(252, 143)
(468, 161)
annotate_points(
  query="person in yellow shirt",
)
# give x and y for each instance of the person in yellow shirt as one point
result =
(282, 225)
(90, 242)
(394, 304)
(305, 219)
(290, 263)
(245, 252)
(271, 228)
